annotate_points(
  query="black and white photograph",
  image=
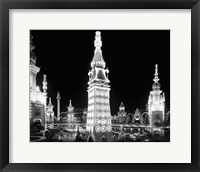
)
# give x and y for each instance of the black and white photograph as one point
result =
(99, 85)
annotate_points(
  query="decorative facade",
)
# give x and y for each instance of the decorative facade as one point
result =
(156, 104)
(99, 116)
(37, 97)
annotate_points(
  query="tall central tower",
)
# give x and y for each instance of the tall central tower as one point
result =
(156, 104)
(99, 116)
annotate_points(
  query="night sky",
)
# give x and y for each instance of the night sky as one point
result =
(130, 55)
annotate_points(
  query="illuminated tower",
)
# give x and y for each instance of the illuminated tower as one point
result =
(58, 106)
(99, 116)
(156, 104)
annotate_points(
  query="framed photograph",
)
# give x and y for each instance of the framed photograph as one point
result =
(104, 85)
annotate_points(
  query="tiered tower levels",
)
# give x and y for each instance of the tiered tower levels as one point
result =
(99, 116)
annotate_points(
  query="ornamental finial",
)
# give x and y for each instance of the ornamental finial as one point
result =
(97, 42)
(98, 58)
(156, 79)
(58, 95)
(50, 102)
(70, 107)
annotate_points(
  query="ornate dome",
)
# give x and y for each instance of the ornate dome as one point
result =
(121, 107)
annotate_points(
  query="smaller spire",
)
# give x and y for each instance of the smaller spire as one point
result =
(121, 107)
(58, 95)
(70, 107)
(50, 104)
(137, 110)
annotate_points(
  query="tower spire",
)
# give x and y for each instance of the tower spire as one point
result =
(156, 79)
(70, 107)
(50, 104)
(156, 84)
(97, 42)
(98, 60)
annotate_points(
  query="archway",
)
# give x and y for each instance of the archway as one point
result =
(145, 118)
(129, 118)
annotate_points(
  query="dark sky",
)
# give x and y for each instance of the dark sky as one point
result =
(130, 55)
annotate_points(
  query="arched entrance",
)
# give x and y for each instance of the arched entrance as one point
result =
(130, 118)
(145, 118)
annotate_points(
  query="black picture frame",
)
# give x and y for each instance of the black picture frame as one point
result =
(5, 5)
